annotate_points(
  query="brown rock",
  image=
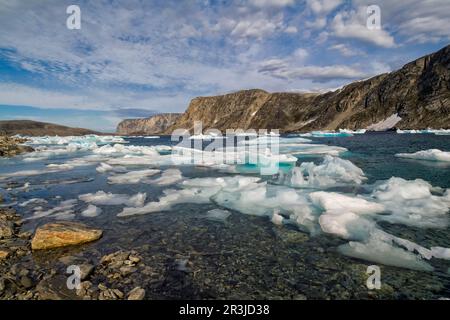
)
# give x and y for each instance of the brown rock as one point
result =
(136, 294)
(6, 229)
(3, 254)
(62, 234)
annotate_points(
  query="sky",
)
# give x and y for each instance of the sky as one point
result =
(137, 58)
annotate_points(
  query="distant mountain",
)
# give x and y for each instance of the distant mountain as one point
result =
(415, 97)
(151, 125)
(35, 128)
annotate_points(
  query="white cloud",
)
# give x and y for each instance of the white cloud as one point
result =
(271, 3)
(346, 51)
(352, 25)
(323, 7)
(415, 20)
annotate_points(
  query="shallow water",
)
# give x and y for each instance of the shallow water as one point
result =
(245, 256)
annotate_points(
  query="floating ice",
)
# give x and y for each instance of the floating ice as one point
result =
(86, 139)
(104, 167)
(327, 134)
(32, 201)
(430, 155)
(91, 211)
(384, 253)
(171, 197)
(218, 215)
(359, 131)
(169, 176)
(63, 211)
(412, 203)
(439, 132)
(441, 253)
(110, 199)
(132, 177)
(332, 172)
(277, 219)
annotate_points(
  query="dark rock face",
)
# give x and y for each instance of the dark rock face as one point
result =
(419, 93)
(152, 125)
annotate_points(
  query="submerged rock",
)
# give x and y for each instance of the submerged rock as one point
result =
(62, 234)
(3, 254)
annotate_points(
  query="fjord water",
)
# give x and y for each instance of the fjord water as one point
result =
(244, 256)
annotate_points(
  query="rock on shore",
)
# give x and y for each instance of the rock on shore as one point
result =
(11, 146)
(62, 234)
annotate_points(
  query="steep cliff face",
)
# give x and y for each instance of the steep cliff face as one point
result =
(419, 93)
(152, 125)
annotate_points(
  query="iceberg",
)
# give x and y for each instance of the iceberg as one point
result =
(429, 155)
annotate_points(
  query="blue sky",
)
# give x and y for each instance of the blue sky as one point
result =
(133, 58)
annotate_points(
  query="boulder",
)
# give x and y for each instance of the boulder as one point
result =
(136, 294)
(62, 234)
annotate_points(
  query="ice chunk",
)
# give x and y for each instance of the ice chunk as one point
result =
(169, 176)
(359, 131)
(412, 203)
(441, 253)
(218, 215)
(332, 172)
(32, 201)
(384, 253)
(327, 134)
(336, 202)
(430, 155)
(63, 211)
(103, 198)
(91, 211)
(171, 197)
(104, 167)
(132, 177)
(277, 218)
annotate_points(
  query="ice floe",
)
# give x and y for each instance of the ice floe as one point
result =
(333, 171)
(218, 215)
(91, 211)
(63, 211)
(439, 132)
(111, 199)
(169, 176)
(80, 140)
(132, 177)
(429, 155)
(327, 134)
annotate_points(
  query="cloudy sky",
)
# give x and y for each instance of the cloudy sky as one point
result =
(135, 58)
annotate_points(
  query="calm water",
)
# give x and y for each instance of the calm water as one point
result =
(246, 256)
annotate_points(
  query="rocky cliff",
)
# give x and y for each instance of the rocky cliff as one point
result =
(152, 125)
(415, 97)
